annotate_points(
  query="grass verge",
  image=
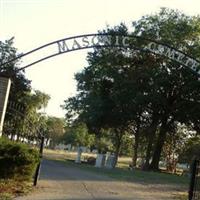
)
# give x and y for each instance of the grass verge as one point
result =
(124, 174)
(121, 173)
(11, 188)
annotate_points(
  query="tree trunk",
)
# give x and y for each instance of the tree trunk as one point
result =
(119, 135)
(17, 137)
(12, 136)
(148, 153)
(159, 145)
(151, 136)
(135, 148)
(117, 153)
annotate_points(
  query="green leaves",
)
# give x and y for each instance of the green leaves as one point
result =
(78, 135)
(17, 160)
(121, 87)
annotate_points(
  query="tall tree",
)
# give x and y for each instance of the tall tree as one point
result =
(20, 84)
(123, 88)
(78, 135)
(54, 129)
(174, 85)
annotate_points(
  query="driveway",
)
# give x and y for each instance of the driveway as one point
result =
(61, 182)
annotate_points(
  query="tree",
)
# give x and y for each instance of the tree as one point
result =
(78, 135)
(29, 123)
(22, 117)
(96, 104)
(127, 89)
(20, 84)
(127, 143)
(174, 85)
(191, 149)
(34, 103)
(54, 129)
(174, 145)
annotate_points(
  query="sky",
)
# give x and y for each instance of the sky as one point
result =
(36, 22)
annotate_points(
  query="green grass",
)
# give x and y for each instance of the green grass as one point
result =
(136, 175)
(122, 173)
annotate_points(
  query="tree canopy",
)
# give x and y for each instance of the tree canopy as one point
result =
(143, 93)
(25, 117)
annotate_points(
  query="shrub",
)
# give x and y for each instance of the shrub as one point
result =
(17, 160)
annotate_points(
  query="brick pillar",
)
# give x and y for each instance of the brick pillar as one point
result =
(5, 84)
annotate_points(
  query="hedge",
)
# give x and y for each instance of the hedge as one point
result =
(17, 160)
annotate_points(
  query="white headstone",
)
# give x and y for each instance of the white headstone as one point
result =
(110, 161)
(100, 161)
(78, 158)
(5, 84)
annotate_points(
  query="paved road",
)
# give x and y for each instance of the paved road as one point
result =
(61, 182)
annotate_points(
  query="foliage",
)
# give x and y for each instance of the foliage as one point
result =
(17, 160)
(30, 122)
(122, 88)
(78, 135)
(127, 145)
(104, 144)
(23, 114)
(20, 84)
(191, 150)
(54, 129)
(175, 145)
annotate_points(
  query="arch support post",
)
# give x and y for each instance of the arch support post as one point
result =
(5, 84)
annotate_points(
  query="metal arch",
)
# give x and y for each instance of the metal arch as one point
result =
(92, 46)
(60, 53)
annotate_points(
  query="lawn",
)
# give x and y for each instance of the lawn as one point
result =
(122, 172)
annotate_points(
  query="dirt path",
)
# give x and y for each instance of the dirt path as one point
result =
(61, 182)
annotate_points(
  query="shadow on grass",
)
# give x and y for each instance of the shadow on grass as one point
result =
(67, 169)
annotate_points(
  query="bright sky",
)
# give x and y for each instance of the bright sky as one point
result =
(37, 22)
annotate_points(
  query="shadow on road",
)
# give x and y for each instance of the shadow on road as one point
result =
(55, 170)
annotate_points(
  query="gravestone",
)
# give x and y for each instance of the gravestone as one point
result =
(5, 84)
(110, 161)
(79, 152)
(100, 160)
